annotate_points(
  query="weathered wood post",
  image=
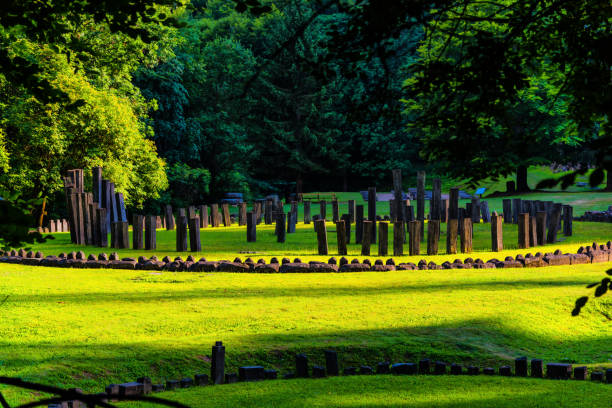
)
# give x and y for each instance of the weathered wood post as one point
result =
(484, 211)
(497, 236)
(351, 209)
(323, 209)
(541, 227)
(242, 212)
(414, 237)
(102, 230)
(95, 224)
(533, 231)
(137, 231)
(466, 236)
(398, 196)
(453, 203)
(191, 212)
(214, 215)
(359, 224)
(203, 216)
(227, 221)
(307, 217)
(96, 178)
(421, 202)
(398, 238)
(281, 219)
(452, 231)
(341, 237)
(87, 198)
(321, 231)
(383, 238)
(181, 233)
(568, 215)
(372, 213)
(433, 237)
(194, 234)
(251, 227)
(366, 238)
(554, 224)
(444, 211)
(475, 211)
(335, 211)
(435, 204)
(291, 222)
(169, 218)
(258, 211)
(347, 226)
(268, 212)
(507, 209)
(516, 209)
(523, 231)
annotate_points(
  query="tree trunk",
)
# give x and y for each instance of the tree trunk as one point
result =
(521, 179)
(609, 180)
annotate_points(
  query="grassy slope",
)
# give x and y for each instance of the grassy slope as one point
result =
(227, 242)
(401, 391)
(89, 328)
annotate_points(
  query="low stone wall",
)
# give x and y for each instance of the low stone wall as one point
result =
(597, 216)
(591, 254)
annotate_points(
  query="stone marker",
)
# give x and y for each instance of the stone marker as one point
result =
(341, 237)
(537, 368)
(120, 203)
(475, 213)
(203, 210)
(568, 216)
(181, 233)
(435, 204)
(268, 212)
(507, 209)
(347, 226)
(307, 217)
(453, 203)
(383, 238)
(497, 235)
(119, 235)
(533, 231)
(558, 371)
(137, 231)
(414, 237)
(217, 365)
(368, 226)
(251, 227)
(251, 373)
(523, 230)
(301, 366)
(214, 215)
(466, 236)
(554, 224)
(335, 211)
(452, 231)
(372, 213)
(331, 362)
(424, 366)
(86, 199)
(194, 234)
(484, 211)
(421, 196)
(433, 237)
(95, 224)
(150, 232)
(516, 209)
(520, 367)
(359, 224)
(321, 231)
(541, 227)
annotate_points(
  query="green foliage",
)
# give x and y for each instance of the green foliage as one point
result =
(16, 220)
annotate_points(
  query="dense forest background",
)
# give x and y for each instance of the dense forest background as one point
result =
(209, 97)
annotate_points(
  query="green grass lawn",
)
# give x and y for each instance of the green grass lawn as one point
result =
(89, 328)
(228, 242)
(398, 391)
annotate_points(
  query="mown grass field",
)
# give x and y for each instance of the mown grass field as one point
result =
(391, 391)
(89, 328)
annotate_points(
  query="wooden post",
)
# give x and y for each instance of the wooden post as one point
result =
(421, 196)
(523, 230)
(398, 196)
(554, 224)
(414, 237)
(321, 231)
(86, 199)
(351, 209)
(341, 237)
(181, 233)
(366, 238)
(95, 223)
(453, 203)
(227, 221)
(251, 227)
(484, 211)
(541, 227)
(444, 210)
(194, 234)
(383, 238)
(475, 215)
(398, 238)
(568, 215)
(242, 212)
(169, 218)
(516, 209)
(433, 237)
(533, 231)
(452, 230)
(497, 237)
(268, 212)
(466, 236)
(372, 212)
(347, 226)
(359, 224)
(102, 230)
(280, 229)
(507, 209)
(137, 231)
(323, 209)
(435, 204)
(203, 216)
(214, 215)
(335, 211)
(96, 178)
(307, 217)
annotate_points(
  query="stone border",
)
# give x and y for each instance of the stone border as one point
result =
(591, 254)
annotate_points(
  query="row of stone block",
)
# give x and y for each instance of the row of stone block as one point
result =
(591, 254)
